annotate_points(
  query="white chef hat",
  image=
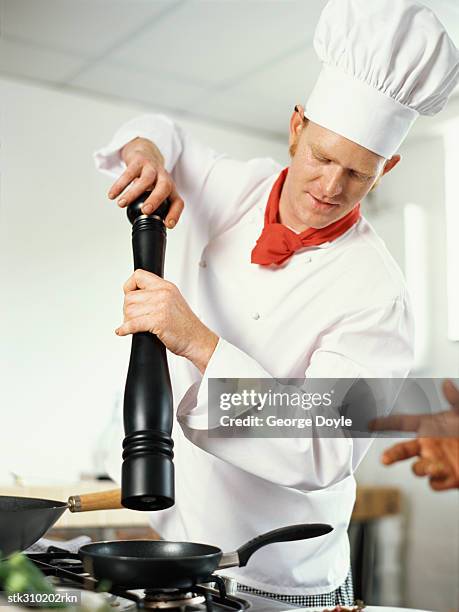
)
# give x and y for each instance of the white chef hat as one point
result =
(385, 62)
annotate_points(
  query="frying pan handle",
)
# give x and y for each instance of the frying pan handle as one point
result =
(284, 534)
(104, 500)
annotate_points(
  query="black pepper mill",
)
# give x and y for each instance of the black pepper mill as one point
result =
(147, 479)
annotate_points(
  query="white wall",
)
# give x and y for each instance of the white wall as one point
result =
(432, 528)
(65, 253)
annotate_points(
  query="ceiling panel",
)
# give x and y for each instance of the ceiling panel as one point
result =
(218, 42)
(240, 62)
(266, 100)
(158, 91)
(25, 61)
(84, 27)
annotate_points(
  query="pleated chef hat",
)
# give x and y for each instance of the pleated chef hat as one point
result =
(385, 62)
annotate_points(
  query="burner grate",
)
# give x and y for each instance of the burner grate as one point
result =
(175, 599)
(68, 569)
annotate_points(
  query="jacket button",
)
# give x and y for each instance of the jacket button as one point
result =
(256, 316)
(202, 264)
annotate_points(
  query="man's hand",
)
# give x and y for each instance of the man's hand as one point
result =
(152, 304)
(145, 172)
(437, 458)
(437, 445)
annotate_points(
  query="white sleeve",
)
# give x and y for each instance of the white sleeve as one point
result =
(373, 343)
(170, 139)
(215, 188)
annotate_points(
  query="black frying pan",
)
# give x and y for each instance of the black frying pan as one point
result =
(23, 520)
(149, 564)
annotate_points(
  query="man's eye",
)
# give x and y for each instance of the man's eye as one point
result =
(358, 176)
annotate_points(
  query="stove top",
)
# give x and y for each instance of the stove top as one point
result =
(65, 570)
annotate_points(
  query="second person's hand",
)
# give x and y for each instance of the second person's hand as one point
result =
(436, 458)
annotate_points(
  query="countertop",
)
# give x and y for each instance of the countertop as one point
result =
(372, 502)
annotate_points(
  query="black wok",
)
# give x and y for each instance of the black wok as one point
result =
(23, 520)
(149, 564)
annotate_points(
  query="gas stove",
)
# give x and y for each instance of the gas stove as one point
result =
(65, 570)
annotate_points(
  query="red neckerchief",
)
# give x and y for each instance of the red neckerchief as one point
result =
(277, 243)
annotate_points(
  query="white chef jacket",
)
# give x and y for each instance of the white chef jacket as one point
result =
(337, 310)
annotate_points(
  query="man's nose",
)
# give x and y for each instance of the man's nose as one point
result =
(332, 181)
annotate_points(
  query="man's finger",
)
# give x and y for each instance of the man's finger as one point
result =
(134, 326)
(139, 186)
(131, 172)
(141, 279)
(160, 192)
(400, 452)
(174, 213)
(137, 296)
(437, 470)
(175, 210)
(133, 311)
(396, 422)
(420, 467)
(138, 303)
(443, 484)
(451, 392)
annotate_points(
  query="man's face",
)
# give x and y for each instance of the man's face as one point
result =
(328, 176)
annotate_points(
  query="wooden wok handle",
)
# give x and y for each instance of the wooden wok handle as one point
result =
(104, 500)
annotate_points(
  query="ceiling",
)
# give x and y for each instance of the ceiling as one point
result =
(241, 63)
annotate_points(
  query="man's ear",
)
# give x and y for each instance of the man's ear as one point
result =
(390, 164)
(296, 124)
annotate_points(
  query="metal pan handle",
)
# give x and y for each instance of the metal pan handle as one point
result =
(284, 534)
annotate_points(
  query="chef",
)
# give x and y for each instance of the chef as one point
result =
(274, 272)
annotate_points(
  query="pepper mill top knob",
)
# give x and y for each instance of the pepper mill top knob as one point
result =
(134, 210)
